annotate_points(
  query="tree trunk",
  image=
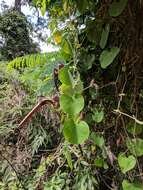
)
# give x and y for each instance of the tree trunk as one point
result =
(18, 5)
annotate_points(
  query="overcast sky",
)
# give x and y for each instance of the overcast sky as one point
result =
(28, 11)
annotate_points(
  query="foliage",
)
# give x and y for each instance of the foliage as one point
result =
(126, 163)
(107, 57)
(99, 87)
(132, 186)
(15, 34)
(71, 103)
(95, 49)
(13, 100)
(135, 146)
(37, 71)
(33, 60)
(97, 116)
(116, 8)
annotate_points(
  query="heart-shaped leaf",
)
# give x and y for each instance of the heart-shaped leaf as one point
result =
(117, 7)
(71, 105)
(108, 56)
(98, 116)
(104, 36)
(131, 186)
(98, 139)
(75, 133)
(135, 146)
(126, 163)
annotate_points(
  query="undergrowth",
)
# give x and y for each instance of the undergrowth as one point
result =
(91, 137)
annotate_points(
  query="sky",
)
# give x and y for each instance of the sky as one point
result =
(28, 11)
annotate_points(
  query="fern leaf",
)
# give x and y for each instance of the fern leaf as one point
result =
(33, 60)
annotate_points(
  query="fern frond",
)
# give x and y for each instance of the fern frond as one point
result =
(34, 59)
(7, 172)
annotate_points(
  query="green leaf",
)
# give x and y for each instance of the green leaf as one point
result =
(2, 185)
(117, 7)
(34, 2)
(67, 90)
(68, 156)
(43, 7)
(104, 36)
(99, 162)
(87, 61)
(66, 47)
(98, 139)
(66, 6)
(131, 186)
(98, 116)
(72, 105)
(65, 76)
(69, 85)
(135, 146)
(75, 133)
(134, 128)
(108, 56)
(126, 163)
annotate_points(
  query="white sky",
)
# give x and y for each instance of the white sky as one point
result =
(29, 12)
(8, 2)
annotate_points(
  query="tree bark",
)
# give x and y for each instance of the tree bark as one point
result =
(17, 5)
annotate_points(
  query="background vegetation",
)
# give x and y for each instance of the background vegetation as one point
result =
(91, 137)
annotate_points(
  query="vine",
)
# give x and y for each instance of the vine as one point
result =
(75, 130)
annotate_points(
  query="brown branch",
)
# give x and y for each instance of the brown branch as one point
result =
(33, 111)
